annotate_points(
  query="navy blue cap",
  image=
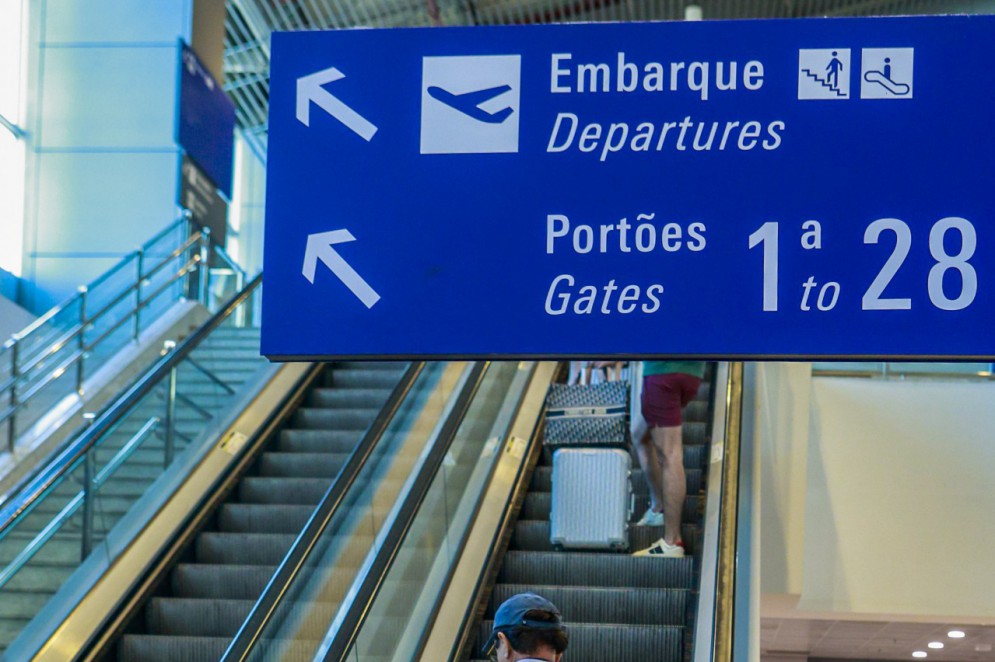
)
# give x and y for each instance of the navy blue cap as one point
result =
(512, 612)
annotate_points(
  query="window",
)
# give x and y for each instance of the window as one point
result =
(13, 20)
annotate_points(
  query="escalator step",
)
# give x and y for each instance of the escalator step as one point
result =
(243, 548)
(389, 366)
(595, 569)
(635, 606)
(696, 457)
(362, 378)
(361, 398)
(254, 517)
(694, 434)
(238, 582)
(300, 491)
(169, 648)
(599, 643)
(696, 411)
(537, 506)
(317, 441)
(302, 465)
(338, 419)
(695, 481)
(196, 618)
(533, 536)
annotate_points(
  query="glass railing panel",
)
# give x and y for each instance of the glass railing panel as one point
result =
(39, 554)
(109, 306)
(184, 410)
(399, 616)
(52, 327)
(114, 284)
(40, 391)
(301, 619)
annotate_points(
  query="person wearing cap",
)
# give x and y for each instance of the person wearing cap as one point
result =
(527, 628)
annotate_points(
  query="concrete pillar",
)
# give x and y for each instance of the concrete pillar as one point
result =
(103, 166)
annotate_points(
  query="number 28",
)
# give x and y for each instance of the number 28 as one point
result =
(903, 242)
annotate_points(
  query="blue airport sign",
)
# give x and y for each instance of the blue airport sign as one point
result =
(782, 188)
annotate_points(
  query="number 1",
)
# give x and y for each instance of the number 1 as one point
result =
(767, 234)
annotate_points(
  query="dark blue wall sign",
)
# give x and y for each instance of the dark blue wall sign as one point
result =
(206, 125)
(798, 188)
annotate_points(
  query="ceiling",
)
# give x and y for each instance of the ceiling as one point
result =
(249, 23)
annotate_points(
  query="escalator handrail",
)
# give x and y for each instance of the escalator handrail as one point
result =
(518, 478)
(353, 612)
(116, 411)
(713, 633)
(293, 562)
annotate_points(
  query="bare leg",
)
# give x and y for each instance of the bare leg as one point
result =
(670, 453)
(650, 464)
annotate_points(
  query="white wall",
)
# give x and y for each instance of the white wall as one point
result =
(783, 401)
(896, 495)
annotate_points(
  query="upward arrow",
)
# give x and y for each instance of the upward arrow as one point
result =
(310, 90)
(319, 247)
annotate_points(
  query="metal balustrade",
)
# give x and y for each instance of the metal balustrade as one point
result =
(69, 507)
(54, 356)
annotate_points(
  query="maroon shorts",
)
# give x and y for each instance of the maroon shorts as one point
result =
(665, 395)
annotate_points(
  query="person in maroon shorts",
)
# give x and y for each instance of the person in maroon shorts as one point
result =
(668, 386)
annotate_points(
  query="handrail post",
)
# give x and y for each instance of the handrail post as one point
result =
(81, 342)
(239, 285)
(205, 271)
(170, 419)
(188, 226)
(14, 375)
(140, 261)
(86, 542)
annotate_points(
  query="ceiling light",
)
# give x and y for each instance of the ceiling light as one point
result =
(919, 654)
(956, 634)
(935, 644)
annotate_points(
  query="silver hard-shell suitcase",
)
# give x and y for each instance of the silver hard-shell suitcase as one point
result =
(592, 499)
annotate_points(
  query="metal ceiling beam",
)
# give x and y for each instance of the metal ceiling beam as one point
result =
(254, 22)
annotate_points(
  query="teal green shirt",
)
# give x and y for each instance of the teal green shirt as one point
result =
(696, 368)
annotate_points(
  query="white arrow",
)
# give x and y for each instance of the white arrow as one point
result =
(309, 89)
(319, 247)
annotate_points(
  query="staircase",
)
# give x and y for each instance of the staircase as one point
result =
(615, 606)
(823, 82)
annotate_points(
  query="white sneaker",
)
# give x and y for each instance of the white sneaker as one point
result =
(650, 518)
(661, 549)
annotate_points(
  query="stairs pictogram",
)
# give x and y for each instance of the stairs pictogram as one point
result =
(823, 82)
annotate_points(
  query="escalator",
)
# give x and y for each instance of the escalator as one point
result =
(616, 606)
(380, 511)
(208, 595)
(475, 530)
